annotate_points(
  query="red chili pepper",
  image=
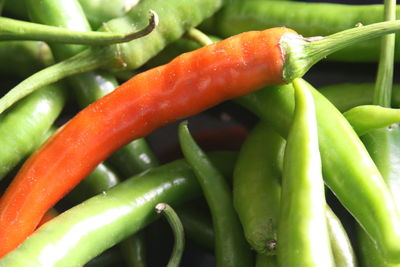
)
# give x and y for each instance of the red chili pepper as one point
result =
(187, 85)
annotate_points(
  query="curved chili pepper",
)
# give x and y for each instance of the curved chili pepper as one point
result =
(303, 238)
(257, 189)
(363, 183)
(84, 231)
(231, 248)
(132, 111)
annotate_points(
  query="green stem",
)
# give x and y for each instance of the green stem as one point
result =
(302, 53)
(87, 60)
(177, 228)
(384, 79)
(198, 36)
(12, 29)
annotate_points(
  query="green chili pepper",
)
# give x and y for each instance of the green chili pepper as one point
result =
(370, 117)
(81, 233)
(308, 19)
(363, 183)
(24, 126)
(257, 189)
(302, 231)
(231, 248)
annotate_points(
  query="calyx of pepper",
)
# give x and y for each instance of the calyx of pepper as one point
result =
(300, 53)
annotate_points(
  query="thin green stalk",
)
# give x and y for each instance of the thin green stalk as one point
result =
(302, 53)
(177, 228)
(198, 37)
(384, 79)
(12, 29)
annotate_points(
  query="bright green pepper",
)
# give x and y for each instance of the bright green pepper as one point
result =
(24, 126)
(363, 183)
(370, 117)
(303, 238)
(257, 189)
(231, 248)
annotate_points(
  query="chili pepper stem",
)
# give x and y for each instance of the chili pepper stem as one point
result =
(302, 53)
(177, 228)
(12, 29)
(198, 37)
(384, 79)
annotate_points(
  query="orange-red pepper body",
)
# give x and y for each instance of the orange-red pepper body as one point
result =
(187, 85)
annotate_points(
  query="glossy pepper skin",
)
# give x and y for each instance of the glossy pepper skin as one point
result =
(303, 238)
(187, 85)
(350, 159)
(231, 248)
(257, 189)
(81, 233)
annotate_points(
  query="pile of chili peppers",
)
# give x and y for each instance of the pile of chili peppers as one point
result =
(100, 99)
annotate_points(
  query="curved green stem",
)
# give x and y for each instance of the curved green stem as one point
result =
(177, 228)
(198, 36)
(12, 29)
(302, 53)
(384, 79)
